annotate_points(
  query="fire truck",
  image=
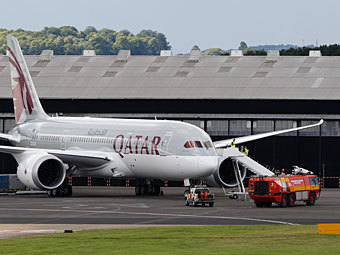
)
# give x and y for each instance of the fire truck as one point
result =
(284, 190)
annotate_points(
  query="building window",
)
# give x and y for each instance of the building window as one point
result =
(1, 125)
(197, 123)
(9, 124)
(314, 131)
(263, 126)
(330, 128)
(217, 127)
(286, 124)
(239, 127)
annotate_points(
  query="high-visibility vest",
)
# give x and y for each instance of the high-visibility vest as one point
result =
(233, 144)
(246, 152)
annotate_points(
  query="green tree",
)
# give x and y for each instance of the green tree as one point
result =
(90, 29)
(243, 46)
(195, 47)
(68, 40)
(101, 46)
(215, 52)
(68, 31)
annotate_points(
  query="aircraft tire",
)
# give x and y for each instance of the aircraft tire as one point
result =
(138, 190)
(144, 190)
(50, 193)
(56, 193)
(157, 190)
(69, 191)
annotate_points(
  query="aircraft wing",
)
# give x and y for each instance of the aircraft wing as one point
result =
(79, 158)
(244, 139)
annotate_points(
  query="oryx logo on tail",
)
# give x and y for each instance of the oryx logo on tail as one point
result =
(26, 102)
(21, 99)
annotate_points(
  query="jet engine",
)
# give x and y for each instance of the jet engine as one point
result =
(41, 171)
(224, 176)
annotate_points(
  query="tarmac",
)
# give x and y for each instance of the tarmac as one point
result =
(117, 207)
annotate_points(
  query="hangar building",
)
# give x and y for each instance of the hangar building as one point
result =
(228, 96)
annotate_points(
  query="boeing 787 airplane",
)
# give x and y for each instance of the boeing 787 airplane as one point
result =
(48, 149)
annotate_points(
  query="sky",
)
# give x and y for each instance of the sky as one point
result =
(208, 24)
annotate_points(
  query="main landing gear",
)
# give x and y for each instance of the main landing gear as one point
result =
(64, 190)
(147, 187)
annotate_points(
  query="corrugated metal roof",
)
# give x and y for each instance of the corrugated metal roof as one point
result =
(212, 77)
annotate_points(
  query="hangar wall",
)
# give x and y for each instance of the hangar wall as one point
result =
(227, 96)
(314, 149)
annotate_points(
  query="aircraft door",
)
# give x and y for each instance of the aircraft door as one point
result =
(165, 144)
(63, 141)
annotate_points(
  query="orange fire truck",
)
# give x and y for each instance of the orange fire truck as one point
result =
(284, 190)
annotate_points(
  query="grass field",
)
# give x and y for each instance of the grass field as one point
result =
(180, 240)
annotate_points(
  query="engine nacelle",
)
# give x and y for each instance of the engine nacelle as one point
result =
(224, 176)
(41, 171)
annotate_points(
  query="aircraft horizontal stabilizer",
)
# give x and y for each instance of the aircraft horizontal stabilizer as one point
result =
(8, 138)
(244, 139)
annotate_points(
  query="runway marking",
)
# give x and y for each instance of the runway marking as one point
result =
(136, 205)
(28, 231)
(156, 214)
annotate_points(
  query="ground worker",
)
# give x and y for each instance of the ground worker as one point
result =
(242, 149)
(233, 143)
(246, 151)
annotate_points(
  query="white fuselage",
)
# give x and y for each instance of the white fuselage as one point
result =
(152, 149)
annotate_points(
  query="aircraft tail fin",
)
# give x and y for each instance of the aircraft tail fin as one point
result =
(26, 102)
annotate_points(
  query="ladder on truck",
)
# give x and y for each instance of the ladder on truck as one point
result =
(240, 185)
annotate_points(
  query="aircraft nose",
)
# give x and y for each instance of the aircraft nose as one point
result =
(207, 165)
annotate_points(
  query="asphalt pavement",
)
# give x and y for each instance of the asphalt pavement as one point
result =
(119, 205)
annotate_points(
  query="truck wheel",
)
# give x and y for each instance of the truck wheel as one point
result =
(259, 204)
(186, 203)
(291, 200)
(194, 204)
(211, 204)
(284, 201)
(311, 200)
(203, 204)
(267, 204)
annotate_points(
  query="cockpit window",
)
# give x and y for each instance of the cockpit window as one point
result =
(207, 144)
(198, 144)
(189, 144)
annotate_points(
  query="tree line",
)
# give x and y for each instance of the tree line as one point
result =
(326, 50)
(67, 40)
